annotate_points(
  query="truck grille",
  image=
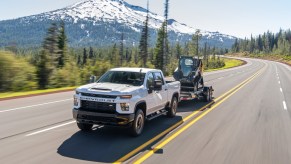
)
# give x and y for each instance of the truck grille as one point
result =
(99, 107)
(98, 95)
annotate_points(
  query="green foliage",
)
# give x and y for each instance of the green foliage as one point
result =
(215, 63)
(159, 60)
(44, 69)
(50, 43)
(85, 56)
(194, 44)
(143, 44)
(16, 74)
(68, 76)
(178, 51)
(268, 44)
(62, 46)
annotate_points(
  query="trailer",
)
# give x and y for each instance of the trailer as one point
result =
(190, 75)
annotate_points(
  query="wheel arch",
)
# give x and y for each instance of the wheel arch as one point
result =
(141, 105)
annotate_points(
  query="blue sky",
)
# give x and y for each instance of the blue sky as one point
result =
(235, 17)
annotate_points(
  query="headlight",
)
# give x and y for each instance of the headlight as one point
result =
(126, 97)
(77, 92)
(76, 102)
(124, 106)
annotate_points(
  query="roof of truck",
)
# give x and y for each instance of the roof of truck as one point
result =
(143, 70)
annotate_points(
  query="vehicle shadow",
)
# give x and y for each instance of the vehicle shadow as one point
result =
(108, 144)
(192, 105)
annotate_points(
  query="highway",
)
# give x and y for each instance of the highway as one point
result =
(248, 122)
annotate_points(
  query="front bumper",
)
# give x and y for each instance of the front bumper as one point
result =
(102, 118)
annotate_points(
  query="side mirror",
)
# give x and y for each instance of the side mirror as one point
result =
(158, 85)
(176, 75)
(151, 88)
(93, 79)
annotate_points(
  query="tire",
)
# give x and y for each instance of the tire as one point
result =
(208, 95)
(138, 123)
(202, 81)
(85, 127)
(172, 110)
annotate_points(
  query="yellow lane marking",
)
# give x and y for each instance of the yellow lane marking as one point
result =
(135, 151)
(174, 135)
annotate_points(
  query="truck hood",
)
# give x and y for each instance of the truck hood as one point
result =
(109, 88)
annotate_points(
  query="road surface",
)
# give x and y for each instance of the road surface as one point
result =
(249, 124)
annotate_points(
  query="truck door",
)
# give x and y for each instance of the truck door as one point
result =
(152, 97)
(162, 94)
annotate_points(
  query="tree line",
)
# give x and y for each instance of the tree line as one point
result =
(268, 44)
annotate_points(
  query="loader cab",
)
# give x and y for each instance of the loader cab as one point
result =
(188, 67)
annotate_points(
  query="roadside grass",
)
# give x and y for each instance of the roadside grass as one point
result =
(35, 92)
(229, 63)
(279, 58)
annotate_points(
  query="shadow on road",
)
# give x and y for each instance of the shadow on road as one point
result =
(108, 144)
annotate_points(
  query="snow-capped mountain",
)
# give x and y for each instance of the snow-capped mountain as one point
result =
(100, 22)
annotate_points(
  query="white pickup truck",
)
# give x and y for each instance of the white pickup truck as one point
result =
(126, 97)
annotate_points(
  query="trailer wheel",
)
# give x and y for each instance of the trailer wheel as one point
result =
(202, 82)
(208, 95)
(84, 127)
(138, 123)
(172, 110)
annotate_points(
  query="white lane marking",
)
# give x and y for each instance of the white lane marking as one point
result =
(281, 90)
(51, 128)
(279, 82)
(285, 106)
(9, 110)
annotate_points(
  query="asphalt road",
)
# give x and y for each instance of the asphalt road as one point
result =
(252, 125)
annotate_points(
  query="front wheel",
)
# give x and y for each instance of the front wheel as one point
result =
(138, 123)
(85, 127)
(173, 108)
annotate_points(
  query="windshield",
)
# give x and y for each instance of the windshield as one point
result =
(121, 77)
(186, 66)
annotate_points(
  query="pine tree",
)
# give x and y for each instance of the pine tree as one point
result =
(50, 43)
(121, 50)
(127, 55)
(213, 53)
(143, 44)
(44, 69)
(165, 37)
(159, 60)
(62, 46)
(178, 50)
(205, 54)
(85, 56)
(114, 55)
(235, 46)
(186, 49)
(194, 45)
(79, 62)
(91, 53)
